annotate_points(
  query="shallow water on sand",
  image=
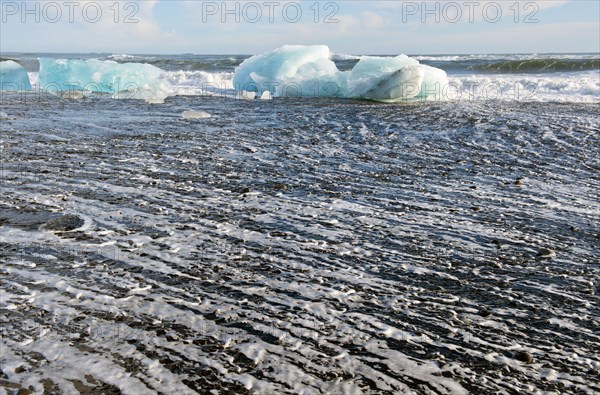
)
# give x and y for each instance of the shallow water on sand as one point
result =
(296, 246)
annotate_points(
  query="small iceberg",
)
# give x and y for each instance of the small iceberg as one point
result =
(393, 79)
(245, 95)
(122, 80)
(266, 95)
(70, 95)
(195, 115)
(13, 77)
(308, 71)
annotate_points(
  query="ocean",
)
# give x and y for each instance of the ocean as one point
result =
(304, 244)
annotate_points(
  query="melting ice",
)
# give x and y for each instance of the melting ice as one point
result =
(308, 71)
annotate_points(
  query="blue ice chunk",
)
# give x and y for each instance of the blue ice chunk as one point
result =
(291, 70)
(13, 77)
(297, 70)
(380, 78)
(122, 80)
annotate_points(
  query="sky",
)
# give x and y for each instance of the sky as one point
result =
(249, 27)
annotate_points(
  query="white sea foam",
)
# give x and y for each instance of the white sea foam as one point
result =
(118, 57)
(342, 56)
(192, 83)
(577, 87)
(564, 87)
(491, 57)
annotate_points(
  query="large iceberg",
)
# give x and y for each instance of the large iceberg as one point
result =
(296, 70)
(122, 80)
(292, 70)
(13, 77)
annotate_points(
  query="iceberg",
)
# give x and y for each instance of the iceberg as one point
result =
(245, 95)
(291, 70)
(121, 80)
(13, 77)
(266, 95)
(70, 95)
(195, 114)
(296, 70)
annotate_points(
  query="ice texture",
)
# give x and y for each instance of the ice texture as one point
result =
(266, 95)
(291, 70)
(297, 70)
(245, 95)
(397, 78)
(13, 77)
(195, 114)
(122, 80)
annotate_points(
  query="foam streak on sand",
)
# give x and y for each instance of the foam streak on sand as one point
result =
(299, 246)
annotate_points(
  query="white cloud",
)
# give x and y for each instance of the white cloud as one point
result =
(133, 24)
(372, 20)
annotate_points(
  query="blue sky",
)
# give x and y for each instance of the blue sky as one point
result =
(248, 27)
